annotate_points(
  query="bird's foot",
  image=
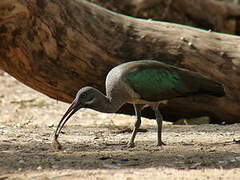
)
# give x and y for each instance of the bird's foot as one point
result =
(131, 145)
(160, 143)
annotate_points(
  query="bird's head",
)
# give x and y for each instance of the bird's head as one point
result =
(86, 97)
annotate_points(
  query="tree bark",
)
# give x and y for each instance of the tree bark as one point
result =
(59, 46)
(220, 16)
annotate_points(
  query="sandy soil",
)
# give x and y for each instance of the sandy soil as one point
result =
(93, 150)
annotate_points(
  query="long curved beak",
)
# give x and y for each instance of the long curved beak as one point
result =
(71, 110)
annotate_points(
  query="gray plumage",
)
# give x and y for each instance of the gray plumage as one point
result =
(142, 83)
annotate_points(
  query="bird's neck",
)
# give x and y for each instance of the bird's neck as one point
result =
(108, 105)
(113, 105)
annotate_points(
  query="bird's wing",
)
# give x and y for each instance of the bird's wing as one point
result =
(157, 84)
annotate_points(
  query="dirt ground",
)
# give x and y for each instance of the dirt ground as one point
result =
(93, 150)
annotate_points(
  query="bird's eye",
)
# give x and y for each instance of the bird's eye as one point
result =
(84, 95)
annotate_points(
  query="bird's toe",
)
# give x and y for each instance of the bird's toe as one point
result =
(161, 143)
(131, 145)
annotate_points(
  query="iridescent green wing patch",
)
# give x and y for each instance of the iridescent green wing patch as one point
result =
(151, 84)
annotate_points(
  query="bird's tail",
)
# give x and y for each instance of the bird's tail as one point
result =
(212, 88)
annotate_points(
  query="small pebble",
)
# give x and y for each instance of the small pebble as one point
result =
(190, 43)
(39, 168)
(21, 161)
(55, 166)
(19, 169)
(221, 162)
(182, 38)
(51, 125)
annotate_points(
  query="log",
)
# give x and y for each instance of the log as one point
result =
(59, 46)
(219, 16)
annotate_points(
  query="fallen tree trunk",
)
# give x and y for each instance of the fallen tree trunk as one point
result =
(219, 16)
(57, 47)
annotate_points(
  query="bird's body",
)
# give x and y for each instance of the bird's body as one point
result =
(148, 82)
(141, 83)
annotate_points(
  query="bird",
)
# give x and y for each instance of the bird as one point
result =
(142, 83)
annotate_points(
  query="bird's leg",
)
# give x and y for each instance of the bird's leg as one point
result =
(137, 109)
(159, 120)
